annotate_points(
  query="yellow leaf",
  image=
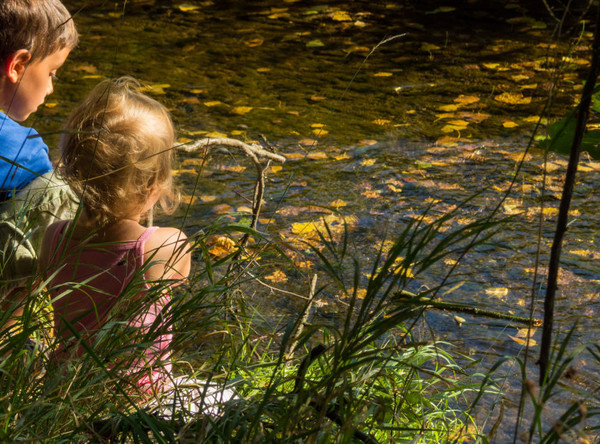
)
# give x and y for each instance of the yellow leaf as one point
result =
(498, 292)
(448, 108)
(394, 188)
(92, 76)
(276, 277)
(294, 156)
(187, 7)
(155, 89)
(367, 142)
(186, 199)
(529, 86)
(276, 168)
(307, 142)
(50, 104)
(466, 100)
(383, 74)
(317, 155)
(213, 103)
(445, 115)
(303, 228)
(241, 109)
(207, 199)
(183, 171)
(381, 121)
(215, 135)
(196, 91)
(509, 124)
(371, 194)
(320, 132)
(491, 65)
(232, 168)
(222, 209)
(304, 264)
(254, 42)
(368, 162)
(520, 77)
(317, 98)
(263, 69)
(342, 156)
(451, 128)
(521, 341)
(458, 122)
(429, 47)
(338, 203)
(513, 98)
(341, 16)
(238, 133)
(316, 125)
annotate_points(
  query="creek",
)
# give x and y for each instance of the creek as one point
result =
(386, 112)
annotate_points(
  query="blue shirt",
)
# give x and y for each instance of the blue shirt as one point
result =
(23, 156)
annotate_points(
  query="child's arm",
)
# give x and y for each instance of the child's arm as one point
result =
(168, 251)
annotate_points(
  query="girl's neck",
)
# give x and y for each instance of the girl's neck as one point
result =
(126, 228)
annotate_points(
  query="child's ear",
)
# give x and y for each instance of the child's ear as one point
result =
(16, 64)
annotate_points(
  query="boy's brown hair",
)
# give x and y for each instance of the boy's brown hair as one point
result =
(40, 26)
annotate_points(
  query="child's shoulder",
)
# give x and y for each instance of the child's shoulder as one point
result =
(169, 246)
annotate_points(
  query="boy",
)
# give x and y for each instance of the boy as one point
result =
(36, 36)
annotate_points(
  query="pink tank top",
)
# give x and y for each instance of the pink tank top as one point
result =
(103, 272)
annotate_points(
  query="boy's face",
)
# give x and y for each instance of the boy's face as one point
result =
(34, 84)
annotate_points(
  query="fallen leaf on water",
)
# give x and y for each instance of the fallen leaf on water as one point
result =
(294, 156)
(315, 44)
(316, 125)
(466, 100)
(383, 74)
(368, 162)
(276, 168)
(451, 128)
(342, 156)
(213, 103)
(215, 135)
(307, 142)
(90, 69)
(458, 122)
(341, 16)
(498, 292)
(371, 194)
(521, 341)
(509, 124)
(196, 91)
(181, 171)
(191, 100)
(254, 42)
(244, 209)
(490, 65)
(158, 88)
(208, 198)
(186, 7)
(263, 69)
(442, 9)
(445, 115)
(367, 142)
(316, 155)
(448, 107)
(241, 109)
(338, 203)
(429, 47)
(222, 209)
(317, 98)
(232, 168)
(320, 132)
(381, 121)
(513, 98)
(50, 104)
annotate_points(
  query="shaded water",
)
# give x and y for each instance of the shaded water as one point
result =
(381, 137)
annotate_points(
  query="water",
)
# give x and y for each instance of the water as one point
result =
(381, 137)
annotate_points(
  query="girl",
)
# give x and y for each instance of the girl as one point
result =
(116, 155)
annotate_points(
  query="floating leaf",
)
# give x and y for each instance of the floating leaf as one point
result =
(429, 47)
(50, 104)
(458, 122)
(338, 203)
(276, 168)
(320, 132)
(196, 91)
(381, 121)
(241, 109)
(466, 100)
(315, 44)
(317, 155)
(513, 98)
(450, 128)
(491, 65)
(442, 9)
(499, 292)
(368, 162)
(158, 88)
(186, 7)
(522, 341)
(448, 107)
(254, 42)
(216, 135)
(341, 16)
(213, 103)
(317, 98)
(383, 74)
(263, 69)
(222, 209)
(316, 125)
(509, 124)
(294, 156)
(342, 156)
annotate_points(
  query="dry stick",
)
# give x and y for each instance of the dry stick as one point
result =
(304, 321)
(563, 211)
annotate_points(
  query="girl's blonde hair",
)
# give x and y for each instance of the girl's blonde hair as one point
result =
(117, 151)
